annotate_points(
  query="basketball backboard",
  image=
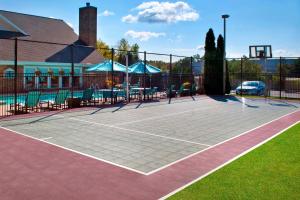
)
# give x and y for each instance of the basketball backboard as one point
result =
(260, 51)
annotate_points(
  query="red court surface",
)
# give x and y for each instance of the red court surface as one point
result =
(31, 169)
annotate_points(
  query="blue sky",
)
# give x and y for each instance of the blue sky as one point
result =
(179, 27)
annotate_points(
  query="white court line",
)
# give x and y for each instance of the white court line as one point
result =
(136, 131)
(226, 163)
(154, 171)
(212, 146)
(160, 116)
(47, 138)
(78, 152)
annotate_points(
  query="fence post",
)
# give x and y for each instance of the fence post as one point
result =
(16, 76)
(72, 71)
(280, 76)
(241, 76)
(170, 79)
(145, 62)
(112, 76)
(192, 77)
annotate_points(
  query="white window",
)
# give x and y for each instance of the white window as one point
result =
(9, 73)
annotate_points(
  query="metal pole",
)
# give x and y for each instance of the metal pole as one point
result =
(145, 62)
(224, 58)
(170, 79)
(280, 76)
(112, 76)
(72, 71)
(127, 79)
(192, 77)
(16, 75)
(241, 76)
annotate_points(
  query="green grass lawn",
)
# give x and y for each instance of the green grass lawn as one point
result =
(271, 171)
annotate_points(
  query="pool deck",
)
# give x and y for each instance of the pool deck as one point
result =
(31, 169)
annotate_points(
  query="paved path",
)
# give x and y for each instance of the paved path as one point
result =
(30, 169)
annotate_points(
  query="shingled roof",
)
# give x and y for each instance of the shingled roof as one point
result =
(46, 31)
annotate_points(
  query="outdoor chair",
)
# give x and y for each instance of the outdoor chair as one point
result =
(171, 92)
(121, 94)
(193, 89)
(183, 91)
(31, 102)
(107, 94)
(60, 100)
(133, 94)
(87, 96)
(152, 92)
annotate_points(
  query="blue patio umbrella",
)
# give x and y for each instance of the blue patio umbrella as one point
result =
(106, 66)
(138, 68)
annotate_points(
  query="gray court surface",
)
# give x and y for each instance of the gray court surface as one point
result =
(146, 137)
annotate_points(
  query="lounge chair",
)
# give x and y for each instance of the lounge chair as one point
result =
(87, 96)
(31, 102)
(183, 91)
(193, 89)
(60, 99)
(121, 94)
(171, 92)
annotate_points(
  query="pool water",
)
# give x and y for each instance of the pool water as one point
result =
(10, 99)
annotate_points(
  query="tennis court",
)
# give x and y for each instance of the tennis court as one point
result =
(148, 137)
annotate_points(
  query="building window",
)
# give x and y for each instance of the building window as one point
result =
(9, 73)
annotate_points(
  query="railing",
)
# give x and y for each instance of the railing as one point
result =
(41, 76)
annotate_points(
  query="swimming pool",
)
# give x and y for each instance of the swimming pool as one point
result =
(47, 96)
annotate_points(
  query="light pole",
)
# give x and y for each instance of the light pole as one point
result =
(224, 56)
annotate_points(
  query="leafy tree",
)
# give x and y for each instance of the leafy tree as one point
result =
(133, 56)
(182, 66)
(123, 47)
(103, 49)
(296, 69)
(197, 58)
(249, 66)
(164, 66)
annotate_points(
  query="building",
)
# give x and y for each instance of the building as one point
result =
(46, 49)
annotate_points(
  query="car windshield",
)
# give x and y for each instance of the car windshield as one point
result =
(255, 84)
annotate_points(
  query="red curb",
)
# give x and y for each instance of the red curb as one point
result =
(30, 169)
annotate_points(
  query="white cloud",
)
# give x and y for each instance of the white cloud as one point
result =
(106, 13)
(201, 47)
(129, 19)
(162, 12)
(143, 35)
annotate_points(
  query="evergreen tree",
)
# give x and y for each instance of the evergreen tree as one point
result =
(210, 54)
(218, 83)
(227, 81)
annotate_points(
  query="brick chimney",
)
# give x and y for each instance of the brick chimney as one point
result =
(88, 25)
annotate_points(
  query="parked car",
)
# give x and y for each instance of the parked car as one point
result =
(251, 88)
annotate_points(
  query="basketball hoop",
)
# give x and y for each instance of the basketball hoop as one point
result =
(260, 51)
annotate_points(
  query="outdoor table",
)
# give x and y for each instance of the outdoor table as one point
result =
(141, 90)
(115, 91)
